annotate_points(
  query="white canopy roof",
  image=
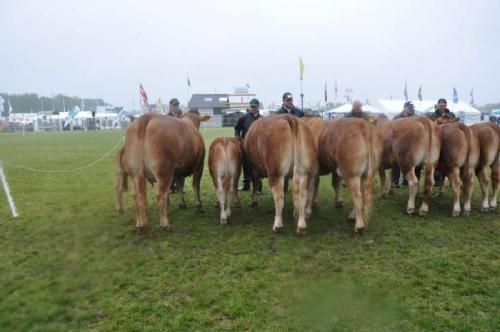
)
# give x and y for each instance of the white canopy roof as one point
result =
(346, 108)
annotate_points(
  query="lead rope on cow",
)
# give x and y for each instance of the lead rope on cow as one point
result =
(71, 170)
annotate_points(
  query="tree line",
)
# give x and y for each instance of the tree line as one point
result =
(33, 103)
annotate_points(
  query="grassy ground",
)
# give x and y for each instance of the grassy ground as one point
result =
(71, 263)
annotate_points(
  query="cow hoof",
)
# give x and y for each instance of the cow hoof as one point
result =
(359, 231)
(466, 213)
(200, 210)
(165, 228)
(339, 205)
(301, 231)
(455, 214)
(141, 230)
(278, 230)
(314, 205)
(182, 206)
(253, 205)
(422, 213)
(223, 221)
(410, 211)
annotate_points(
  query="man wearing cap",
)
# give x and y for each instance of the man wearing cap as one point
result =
(174, 109)
(357, 111)
(408, 111)
(288, 107)
(240, 130)
(442, 111)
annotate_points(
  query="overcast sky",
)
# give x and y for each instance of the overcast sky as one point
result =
(105, 48)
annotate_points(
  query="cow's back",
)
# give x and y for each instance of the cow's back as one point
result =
(488, 135)
(173, 142)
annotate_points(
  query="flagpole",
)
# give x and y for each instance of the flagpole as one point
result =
(301, 96)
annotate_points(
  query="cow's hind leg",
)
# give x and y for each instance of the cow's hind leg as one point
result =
(230, 195)
(428, 183)
(277, 187)
(179, 182)
(495, 182)
(121, 186)
(162, 191)
(383, 183)
(484, 184)
(468, 189)
(255, 186)
(300, 196)
(221, 197)
(315, 192)
(454, 177)
(140, 198)
(412, 188)
(354, 184)
(197, 173)
(336, 182)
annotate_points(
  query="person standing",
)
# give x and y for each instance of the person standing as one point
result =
(439, 115)
(175, 111)
(357, 111)
(407, 112)
(441, 112)
(240, 130)
(288, 108)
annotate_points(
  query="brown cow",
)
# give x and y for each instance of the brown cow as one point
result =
(458, 159)
(411, 142)
(488, 135)
(351, 149)
(159, 148)
(281, 146)
(224, 163)
(317, 125)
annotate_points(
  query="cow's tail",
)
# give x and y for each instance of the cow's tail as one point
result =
(468, 138)
(121, 180)
(430, 132)
(294, 125)
(373, 151)
(227, 167)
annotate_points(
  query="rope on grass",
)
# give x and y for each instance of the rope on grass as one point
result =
(71, 170)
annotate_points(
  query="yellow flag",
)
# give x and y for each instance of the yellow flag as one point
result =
(301, 68)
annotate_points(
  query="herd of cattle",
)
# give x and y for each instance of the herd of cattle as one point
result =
(160, 149)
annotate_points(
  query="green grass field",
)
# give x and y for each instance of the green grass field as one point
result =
(70, 262)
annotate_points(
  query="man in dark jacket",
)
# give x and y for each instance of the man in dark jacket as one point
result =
(357, 111)
(408, 111)
(240, 130)
(175, 111)
(288, 107)
(441, 111)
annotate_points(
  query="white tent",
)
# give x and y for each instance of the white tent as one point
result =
(346, 108)
(467, 113)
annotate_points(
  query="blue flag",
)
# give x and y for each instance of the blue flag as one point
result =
(455, 96)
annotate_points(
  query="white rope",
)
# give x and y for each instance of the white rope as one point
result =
(8, 193)
(65, 170)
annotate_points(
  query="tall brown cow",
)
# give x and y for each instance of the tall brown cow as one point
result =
(411, 142)
(458, 159)
(159, 148)
(351, 149)
(317, 125)
(281, 146)
(488, 135)
(224, 163)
